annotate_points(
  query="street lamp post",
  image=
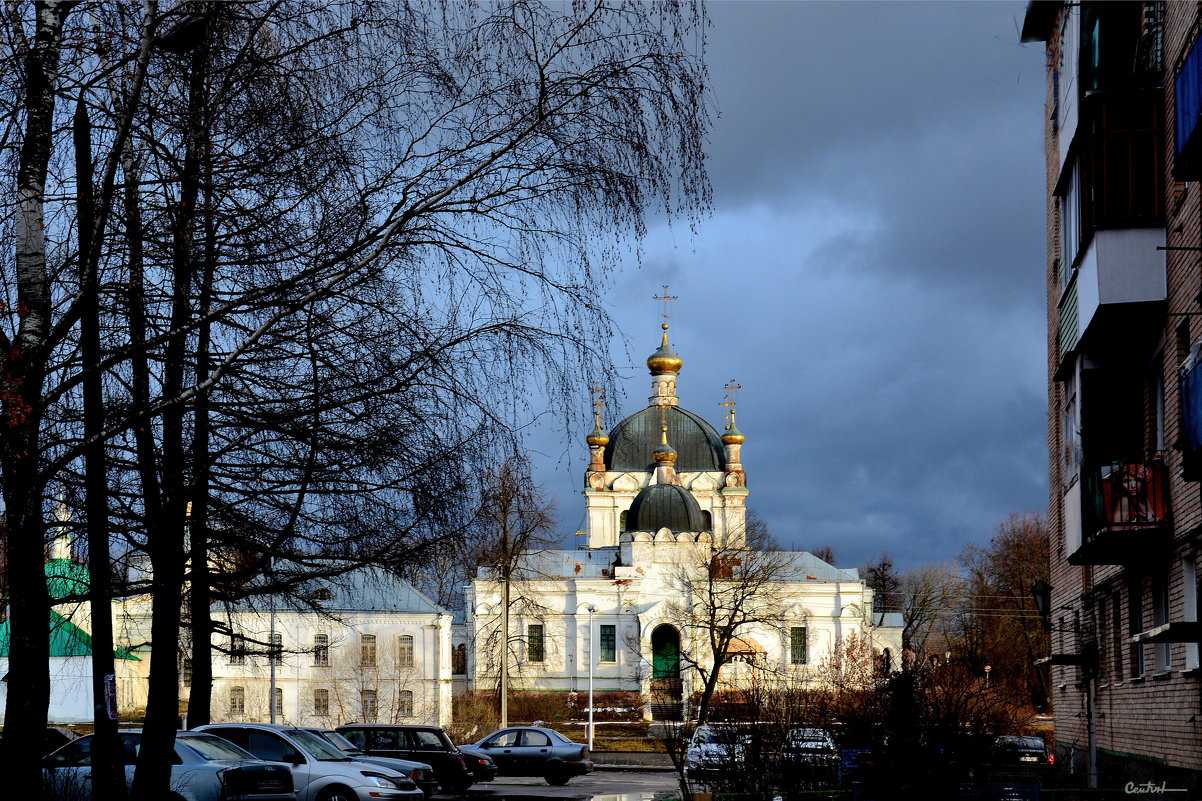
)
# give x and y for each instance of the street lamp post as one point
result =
(591, 609)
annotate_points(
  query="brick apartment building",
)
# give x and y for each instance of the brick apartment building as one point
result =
(1124, 291)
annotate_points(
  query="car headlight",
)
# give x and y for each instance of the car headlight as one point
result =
(380, 781)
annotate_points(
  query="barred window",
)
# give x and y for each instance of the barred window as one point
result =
(405, 704)
(279, 703)
(609, 643)
(367, 646)
(535, 651)
(237, 649)
(404, 651)
(799, 652)
(276, 651)
(369, 706)
(237, 702)
(321, 650)
(321, 702)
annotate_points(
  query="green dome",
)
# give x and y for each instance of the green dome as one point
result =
(633, 441)
(668, 506)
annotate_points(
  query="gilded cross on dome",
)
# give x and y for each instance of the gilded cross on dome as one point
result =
(666, 298)
(598, 401)
(729, 404)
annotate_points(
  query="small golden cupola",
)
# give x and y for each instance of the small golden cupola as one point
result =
(732, 439)
(665, 458)
(732, 435)
(664, 360)
(664, 365)
(597, 438)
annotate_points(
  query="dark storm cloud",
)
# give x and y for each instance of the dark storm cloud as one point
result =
(927, 113)
(871, 274)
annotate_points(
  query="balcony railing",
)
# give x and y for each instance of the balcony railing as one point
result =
(1125, 514)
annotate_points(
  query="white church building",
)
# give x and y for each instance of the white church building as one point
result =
(665, 494)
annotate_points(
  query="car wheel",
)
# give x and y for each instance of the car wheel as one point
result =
(558, 779)
(337, 793)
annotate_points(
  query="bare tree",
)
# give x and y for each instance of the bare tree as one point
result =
(929, 594)
(826, 553)
(515, 519)
(999, 625)
(881, 577)
(724, 595)
(297, 174)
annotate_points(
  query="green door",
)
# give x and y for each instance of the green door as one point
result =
(665, 653)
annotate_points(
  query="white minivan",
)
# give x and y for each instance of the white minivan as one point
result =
(320, 772)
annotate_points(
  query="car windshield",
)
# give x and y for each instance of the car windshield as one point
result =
(318, 747)
(705, 734)
(210, 747)
(339, 741)
(809, 735)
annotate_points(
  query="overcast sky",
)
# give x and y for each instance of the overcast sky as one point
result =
(872, 275)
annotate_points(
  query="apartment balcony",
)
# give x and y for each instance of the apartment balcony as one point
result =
(1120, 286)
(1112, 208)
(1124, 514)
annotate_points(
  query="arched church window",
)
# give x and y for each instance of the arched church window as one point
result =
(708, 520)
(622, 522)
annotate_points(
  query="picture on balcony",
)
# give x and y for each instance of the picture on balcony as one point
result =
(1133, 494)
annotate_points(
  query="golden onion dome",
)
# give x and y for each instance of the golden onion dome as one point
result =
(598, 438)
(732, 435)
(665, 359)
(665, 453)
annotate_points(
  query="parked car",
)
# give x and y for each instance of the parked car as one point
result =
(714, 752)
(809, 758)
(1022, 750)
(206, 768)
(429, 744)
(479, 764)
(56, 738)
(812, 745)
(534, 751)
(320, 772)
(420, 772)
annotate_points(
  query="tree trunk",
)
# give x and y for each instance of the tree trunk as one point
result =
(166, 542)
(200, 594)
(108, 774)
(22, 375)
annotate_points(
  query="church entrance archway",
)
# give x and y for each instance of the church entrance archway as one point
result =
(666, 686)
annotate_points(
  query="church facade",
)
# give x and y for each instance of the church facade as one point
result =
(667, 553)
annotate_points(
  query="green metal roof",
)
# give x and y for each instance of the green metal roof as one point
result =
(633, 440)
(66, 639)
(66, 579)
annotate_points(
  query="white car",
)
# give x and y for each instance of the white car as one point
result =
(320, 772)
(714, 752)
(206, 768)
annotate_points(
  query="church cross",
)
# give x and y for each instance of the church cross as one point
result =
(598, 401)
(666, 298)
(729, 404)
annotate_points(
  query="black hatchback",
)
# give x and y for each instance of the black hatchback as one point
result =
(429, 744)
